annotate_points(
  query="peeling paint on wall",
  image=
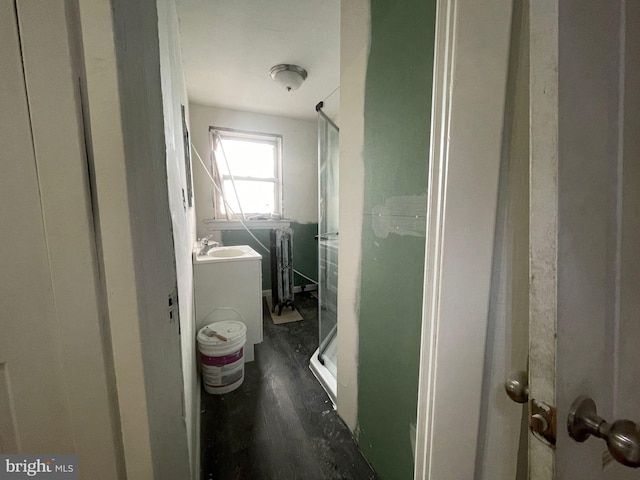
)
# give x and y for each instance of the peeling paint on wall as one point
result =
(402, 215)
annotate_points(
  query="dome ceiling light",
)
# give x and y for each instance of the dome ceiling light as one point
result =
(289, 76)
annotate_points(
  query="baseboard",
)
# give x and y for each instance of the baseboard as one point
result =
(297, 289)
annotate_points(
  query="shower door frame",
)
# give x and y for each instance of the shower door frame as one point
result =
(327, 240)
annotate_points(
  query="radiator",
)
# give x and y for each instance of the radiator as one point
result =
(282, 269)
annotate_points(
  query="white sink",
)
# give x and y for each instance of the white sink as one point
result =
(226, 254)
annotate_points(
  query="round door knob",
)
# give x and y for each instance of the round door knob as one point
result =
(622, 436)
(517, 387)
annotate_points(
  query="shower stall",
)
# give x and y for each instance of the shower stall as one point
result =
(324, 361)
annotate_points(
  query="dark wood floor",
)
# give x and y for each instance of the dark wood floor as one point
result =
(280, 423)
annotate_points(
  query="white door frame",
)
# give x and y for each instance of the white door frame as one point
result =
(543, 218)
(470, 76)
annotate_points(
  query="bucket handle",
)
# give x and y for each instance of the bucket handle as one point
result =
(213, 333)
(223, 308)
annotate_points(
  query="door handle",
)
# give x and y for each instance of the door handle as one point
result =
(517, 386)
(622, 436)
(542, 417)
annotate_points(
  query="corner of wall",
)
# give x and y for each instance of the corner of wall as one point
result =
(354, 51)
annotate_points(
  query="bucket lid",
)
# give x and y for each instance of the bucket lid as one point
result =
(222, 333)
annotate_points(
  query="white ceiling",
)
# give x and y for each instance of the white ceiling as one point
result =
(229, 46)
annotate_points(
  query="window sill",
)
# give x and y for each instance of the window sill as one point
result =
(216, 225)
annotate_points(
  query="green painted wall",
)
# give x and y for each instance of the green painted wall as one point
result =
(396, 154)
(305, 250)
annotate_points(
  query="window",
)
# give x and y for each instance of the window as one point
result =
(247, 170)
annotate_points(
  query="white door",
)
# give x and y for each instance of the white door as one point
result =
(27, 297)
(54, 391)
(585, 226)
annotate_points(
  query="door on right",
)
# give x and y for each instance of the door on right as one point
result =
(585, 233)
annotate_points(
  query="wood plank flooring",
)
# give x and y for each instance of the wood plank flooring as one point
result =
(280, 424)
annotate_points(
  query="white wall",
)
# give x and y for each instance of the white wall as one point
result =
(114, 231)
(174, 95)
(300, 159)
(145, 142)
(127, 134)
(354, 52)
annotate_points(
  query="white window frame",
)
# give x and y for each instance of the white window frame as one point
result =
(227, 133)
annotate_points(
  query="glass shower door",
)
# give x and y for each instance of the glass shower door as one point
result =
(328, 138)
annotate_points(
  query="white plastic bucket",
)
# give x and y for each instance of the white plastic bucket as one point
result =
(221, 349)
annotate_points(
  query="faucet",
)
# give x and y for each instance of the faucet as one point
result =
(207, 244)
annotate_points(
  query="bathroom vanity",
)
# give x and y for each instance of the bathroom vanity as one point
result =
(228, 286)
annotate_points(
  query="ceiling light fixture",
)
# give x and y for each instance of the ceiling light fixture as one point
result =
(289, 76)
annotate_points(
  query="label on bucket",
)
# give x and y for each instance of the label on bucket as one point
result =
(223, 360)
(215, 370)
(220, 379)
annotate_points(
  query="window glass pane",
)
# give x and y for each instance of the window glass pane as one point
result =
(247, 158)
(256, 197)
